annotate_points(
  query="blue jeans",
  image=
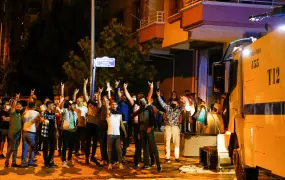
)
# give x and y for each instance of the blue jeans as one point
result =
(114, 139)
(13, 145)
(29, 141)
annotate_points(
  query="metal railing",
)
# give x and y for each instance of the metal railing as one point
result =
(274, 3)
(154, 17)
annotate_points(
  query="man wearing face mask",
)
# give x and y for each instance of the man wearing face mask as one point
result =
(4, 126)
(14, 134)
(146, 122)
(172, 129)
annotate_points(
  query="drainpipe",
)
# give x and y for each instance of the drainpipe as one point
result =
(1, 28)
(173, 73)
(196, 71)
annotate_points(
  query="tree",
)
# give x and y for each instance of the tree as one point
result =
(118, 42)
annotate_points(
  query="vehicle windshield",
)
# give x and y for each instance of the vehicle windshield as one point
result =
(236, 44)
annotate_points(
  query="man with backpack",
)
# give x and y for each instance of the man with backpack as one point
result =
(146, 117)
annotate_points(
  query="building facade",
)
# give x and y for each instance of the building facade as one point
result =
(204, 28)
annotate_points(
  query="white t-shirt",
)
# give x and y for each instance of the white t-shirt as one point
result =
(82, 113)
(114, 123)
(28, 116)
(83, 110)
(189, 107)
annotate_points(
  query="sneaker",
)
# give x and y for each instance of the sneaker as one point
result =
(87, 161)
(121, 166)
(167, 161)
(93, 159)
(33, 165)
(64, 164)
(159, 168)
(2, 156)
(24, 165)
(53, 165)
(146, 167)
(47, 166)
(16, 165)
(177, 160)
(6, 165)
(110, 166)
(152, 162)
(70, 163)
(104, 163)
(136, 166)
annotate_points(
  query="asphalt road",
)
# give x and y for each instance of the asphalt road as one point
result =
(81, 171)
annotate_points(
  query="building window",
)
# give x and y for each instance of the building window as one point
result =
(175, 6)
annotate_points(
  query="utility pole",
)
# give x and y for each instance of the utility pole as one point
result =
(92, 54)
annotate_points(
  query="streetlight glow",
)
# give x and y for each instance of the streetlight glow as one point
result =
(281, 28)
(246, 52)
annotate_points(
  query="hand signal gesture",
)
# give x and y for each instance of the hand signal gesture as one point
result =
(85, 81)
(17, 96)
(108, 86)
(62, 85)
(157, 83)
(100, 90)
(76, 91)
(150, 84)
(158, 93)
(32, 92)
(117, 83)
(125, 85)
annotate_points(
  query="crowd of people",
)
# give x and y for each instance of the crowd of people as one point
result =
(111, 118)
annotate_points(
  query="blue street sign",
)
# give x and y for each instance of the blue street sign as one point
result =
(105, 62)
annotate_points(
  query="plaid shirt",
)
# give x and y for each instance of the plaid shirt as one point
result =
(45, 125)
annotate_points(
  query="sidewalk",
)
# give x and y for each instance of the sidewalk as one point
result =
(81, 171)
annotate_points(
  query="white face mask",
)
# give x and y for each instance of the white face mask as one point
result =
(134, 98)
(8, 107)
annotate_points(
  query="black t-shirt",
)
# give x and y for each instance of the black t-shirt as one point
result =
(4, 124)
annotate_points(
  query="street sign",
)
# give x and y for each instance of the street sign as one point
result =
(105, 62)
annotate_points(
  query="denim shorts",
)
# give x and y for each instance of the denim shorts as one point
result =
(4, 135)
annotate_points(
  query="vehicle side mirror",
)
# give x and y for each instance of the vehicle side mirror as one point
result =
(219, 78)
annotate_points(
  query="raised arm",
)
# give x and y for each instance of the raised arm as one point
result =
(100, 90)
(85, 90)
(61, 98)
(13, 109)
(61, 90)
(118, 93)
(75, 94)
(161, 102)
(132, 102)
(109, 89)
(150, 92)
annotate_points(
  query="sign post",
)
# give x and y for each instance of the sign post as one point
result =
(105, 62)
(100, 62)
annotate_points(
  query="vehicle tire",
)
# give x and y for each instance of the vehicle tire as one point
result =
(237, 164)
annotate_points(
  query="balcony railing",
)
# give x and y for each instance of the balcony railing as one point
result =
(155, 17)
(258, 2)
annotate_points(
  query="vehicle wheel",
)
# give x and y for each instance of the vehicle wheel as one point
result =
(237, 164)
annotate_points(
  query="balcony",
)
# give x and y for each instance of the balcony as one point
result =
(225, 21)
(155, 17)
(151, 27)
(260, 2)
